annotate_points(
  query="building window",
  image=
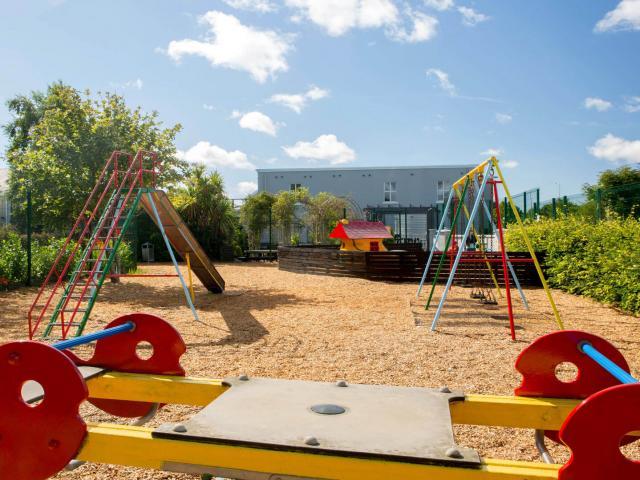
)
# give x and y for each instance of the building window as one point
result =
(390, 192)
(295, 186)
(443, 190)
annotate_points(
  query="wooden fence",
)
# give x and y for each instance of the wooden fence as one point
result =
(402, 266)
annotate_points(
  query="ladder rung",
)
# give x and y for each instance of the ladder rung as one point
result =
(74, 310)
(72, 324)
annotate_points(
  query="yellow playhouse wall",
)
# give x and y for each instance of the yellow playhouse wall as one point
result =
(361, 245)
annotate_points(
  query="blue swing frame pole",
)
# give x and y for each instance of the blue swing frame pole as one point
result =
(435, 241)
(187, 293)
(612, 368)
(511, 269)
(92, 337)
(488, 171)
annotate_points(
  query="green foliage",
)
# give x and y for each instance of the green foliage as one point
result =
(127, 256)
(284, 209)
(600, 260)
(617, 192)
(323, 211)
(59, 142)
(255, 216)
(205, 208)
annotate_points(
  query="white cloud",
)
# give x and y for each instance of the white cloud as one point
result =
(492, 152)
(616, 149)
(440, 5)
(632, 105)
(337, 17)
(261, 53)
(598, 104)
(626, 16)
(424, 28)
(470, 17)
(503, 118)
(262, 6)
(246, 188)
(206, 106)
(443, 80)
(214, 156)
(326, 148)
(137, 83)
(298, 101)
(509, 164)
(256, 121)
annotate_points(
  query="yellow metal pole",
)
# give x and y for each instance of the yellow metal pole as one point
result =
(529, 246)
(484, 255)
(137, 447)
(193, 295)
(479, 169)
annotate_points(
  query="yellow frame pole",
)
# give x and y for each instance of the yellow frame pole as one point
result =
(484, 255)
(136, 447)
(529, 245)
(191, 292)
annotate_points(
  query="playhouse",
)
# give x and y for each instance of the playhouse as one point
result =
(360, 235)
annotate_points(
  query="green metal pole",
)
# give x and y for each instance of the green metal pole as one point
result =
(537, 207)
(599, 204)
(553, 208)
(270, 222)
(525, 204)
(29, 212)
(448, 242)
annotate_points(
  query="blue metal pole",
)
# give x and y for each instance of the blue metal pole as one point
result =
(487, 173)
(435, 241)
(92, 337)
(620, 374)
(187, 294)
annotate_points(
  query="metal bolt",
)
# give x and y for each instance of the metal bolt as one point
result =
(53, 444)
(445, 390)
(313, 441)
(13, 358)
(453, 453)
(341, 383)
(243, 378)
(180, 428)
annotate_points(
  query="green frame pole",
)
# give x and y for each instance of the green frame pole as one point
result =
(448, 242)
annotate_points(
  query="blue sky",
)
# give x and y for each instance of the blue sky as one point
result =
(551, 86)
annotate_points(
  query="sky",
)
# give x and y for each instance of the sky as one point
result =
(550, 87)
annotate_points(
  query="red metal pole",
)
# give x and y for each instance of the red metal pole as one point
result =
(505, 270)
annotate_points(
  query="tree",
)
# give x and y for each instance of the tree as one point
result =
(255, 215)
(284, 210)
(617, 191)
(323, 211)
(59, 142)
(205, 208)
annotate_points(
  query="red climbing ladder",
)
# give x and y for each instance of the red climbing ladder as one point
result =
(69, 291)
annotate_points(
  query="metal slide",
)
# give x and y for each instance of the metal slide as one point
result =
(183, 241)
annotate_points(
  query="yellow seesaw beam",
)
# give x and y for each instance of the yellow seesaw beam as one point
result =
(135, 447)
(489, 410)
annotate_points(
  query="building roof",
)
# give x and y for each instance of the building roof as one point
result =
(4, 179)
(333, 169)
(359, 229)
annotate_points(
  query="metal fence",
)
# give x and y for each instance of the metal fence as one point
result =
(5, 209)
(593, 204)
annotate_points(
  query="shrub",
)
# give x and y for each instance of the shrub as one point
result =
(601, 260)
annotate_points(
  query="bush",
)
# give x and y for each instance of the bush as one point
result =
(601, 260)
(13, 258)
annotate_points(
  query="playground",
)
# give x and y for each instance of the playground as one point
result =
(276, 324)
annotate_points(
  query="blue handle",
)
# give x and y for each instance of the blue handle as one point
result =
(92, 337)
(619, 373)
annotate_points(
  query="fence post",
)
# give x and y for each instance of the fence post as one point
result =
(524, 199)
(536, 209)
(29, 207)
(565, 202)
(553, 208)
(270, 223)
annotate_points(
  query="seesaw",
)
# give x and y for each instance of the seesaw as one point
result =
(259, 428)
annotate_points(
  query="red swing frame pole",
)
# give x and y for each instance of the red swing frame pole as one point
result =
(505, 270)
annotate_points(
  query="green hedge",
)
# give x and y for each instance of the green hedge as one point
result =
(601, 260)
(13, 258)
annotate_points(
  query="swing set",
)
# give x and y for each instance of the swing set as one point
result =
(477, 190)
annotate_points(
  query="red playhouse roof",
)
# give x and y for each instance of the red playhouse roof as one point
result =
(358, 229)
